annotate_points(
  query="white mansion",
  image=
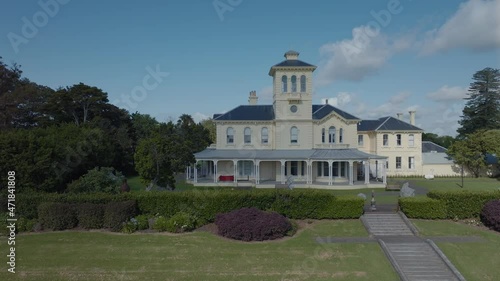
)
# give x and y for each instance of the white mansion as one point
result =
(317, 145)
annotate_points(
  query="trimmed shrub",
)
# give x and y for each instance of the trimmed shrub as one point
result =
(422, 208)
(118, 213)
(252, 224)
(464, 204)
(142, 222)
(90, 215)
(160, 224)
(344, 207)
(181, 222)
(25, 225)
(57, 216)
(130, 226)
(490, 215)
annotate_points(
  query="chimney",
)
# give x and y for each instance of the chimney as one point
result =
(412, 117)
(252, 99)
(399, 115)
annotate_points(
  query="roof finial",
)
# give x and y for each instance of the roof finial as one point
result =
(292, 55)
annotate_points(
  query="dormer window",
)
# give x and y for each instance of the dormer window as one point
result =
(302, 83)
(284, 85)
(294, 84)
(331, 134)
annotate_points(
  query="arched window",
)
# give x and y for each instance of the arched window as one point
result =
(331, 134)
(230, 135)
(264, 135)
(341, 135)
(323, 135)
(247, 135)
(303, 83)
(294, 135)
(294, 84)
(284, 85)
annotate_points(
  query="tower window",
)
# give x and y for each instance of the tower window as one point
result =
(294, 135)
(294, 84)
(303, 83)
(284, 84)
(331, 134)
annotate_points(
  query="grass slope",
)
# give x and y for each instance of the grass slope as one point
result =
(198, 256)
(477, 260)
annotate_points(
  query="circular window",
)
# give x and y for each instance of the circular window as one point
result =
(293, 108)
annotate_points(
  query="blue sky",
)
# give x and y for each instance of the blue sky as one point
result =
(374, 58)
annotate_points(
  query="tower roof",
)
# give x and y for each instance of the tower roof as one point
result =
(291, 61)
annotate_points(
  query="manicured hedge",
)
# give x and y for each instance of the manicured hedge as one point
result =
(57, 216)
(117, 213)
(90, 215)
(206, 204)
(464, 204)
(422, 208)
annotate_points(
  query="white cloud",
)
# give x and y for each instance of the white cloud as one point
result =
(363, 55)
(198, 116)
(399, 98)
(341, 100)
(447, 94)
(474, 26)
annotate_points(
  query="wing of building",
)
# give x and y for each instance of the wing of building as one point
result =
(319, 145)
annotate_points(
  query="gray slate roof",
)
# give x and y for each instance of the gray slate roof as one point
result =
(293, 63)
(289, 154)
(322, 110)
(428, 146)
(266, 112)
(388, 123)
(436, 158)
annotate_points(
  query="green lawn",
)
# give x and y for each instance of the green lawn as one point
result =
(476, 260)
(450, 184)
(198, 256)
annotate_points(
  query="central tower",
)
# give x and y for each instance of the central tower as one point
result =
(292, 88)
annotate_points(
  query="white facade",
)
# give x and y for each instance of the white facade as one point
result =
(316, 144)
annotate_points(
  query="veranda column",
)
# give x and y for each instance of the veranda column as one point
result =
(187, 173)
(384, 171)
(330, 172)
(282, 171)
(215, 172)
(307, 171)
(367, 171)
(235, 171)
(310, 172)
(351, 174)
(257, 171)
(195, 172)
(339, 169)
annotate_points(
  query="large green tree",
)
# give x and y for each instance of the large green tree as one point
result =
(482, 110)
(471, 151)
(78, 103)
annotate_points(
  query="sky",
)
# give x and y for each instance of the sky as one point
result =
(375, 58)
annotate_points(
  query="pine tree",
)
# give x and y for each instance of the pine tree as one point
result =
(482, 110)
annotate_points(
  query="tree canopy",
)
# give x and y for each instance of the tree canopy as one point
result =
(482, 110)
